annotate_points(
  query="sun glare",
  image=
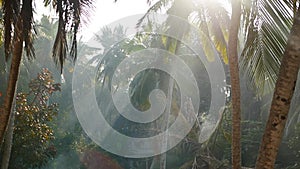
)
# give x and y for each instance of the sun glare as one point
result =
(107, 12)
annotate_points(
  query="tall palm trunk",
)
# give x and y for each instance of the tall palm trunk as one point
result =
(8, 140)
(13, 77)
(235, 84)
(284, 90)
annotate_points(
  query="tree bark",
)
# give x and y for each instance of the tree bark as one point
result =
(12, 80)
(8, 140)
(284, 90)
(235, 84)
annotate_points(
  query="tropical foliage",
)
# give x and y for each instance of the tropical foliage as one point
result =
(48, 137)
(266, 32)
(18, 24)
(32, 130)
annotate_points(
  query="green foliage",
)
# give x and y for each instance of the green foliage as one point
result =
(251, 137)
(32, 131)
(293, 143)
(210, 17)
(267, 27)
(220, 143)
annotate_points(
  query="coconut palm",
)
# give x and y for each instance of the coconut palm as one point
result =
(283, 94)
(264, 60)
(235, 84)
(18, 29)
(266, 25)
(212, 20)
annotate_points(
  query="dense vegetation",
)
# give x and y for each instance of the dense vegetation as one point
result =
(47, 134)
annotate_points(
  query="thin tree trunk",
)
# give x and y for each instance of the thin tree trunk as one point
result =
(163, 157)
(12, 80)
(235, 84)
(8, 139)
(284, 90)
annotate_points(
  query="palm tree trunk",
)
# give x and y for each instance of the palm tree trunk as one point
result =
(284, 90)
(12, 80)
(8, 140)
(235, 84)
(163, 157)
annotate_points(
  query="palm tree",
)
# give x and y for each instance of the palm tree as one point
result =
(283, 94)
(235, 84)
(265, 59)
(213, 19)
(46, 33)
(18, 29)
(266, 25)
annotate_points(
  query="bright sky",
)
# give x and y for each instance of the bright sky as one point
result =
(105, 12)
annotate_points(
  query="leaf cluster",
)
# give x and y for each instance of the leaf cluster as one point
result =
(33, 131)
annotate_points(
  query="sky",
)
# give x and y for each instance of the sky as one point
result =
(107, 11)
(104, 13)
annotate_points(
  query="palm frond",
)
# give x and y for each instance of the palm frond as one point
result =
(27, 19)
(11, 10)
(213, 21)
(60, 43)
(80, 12)
(248, 15)
(154, 8)
(70, 13)
(266, 37)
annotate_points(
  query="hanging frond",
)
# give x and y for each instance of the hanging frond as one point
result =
(60, 43)
(181, 9)
(27, 20)
(70, 15)
(213, 20)
(80, 10)
(266, 37)
(206, 43)
(11, 10)
(154, 8)
(14, 13)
